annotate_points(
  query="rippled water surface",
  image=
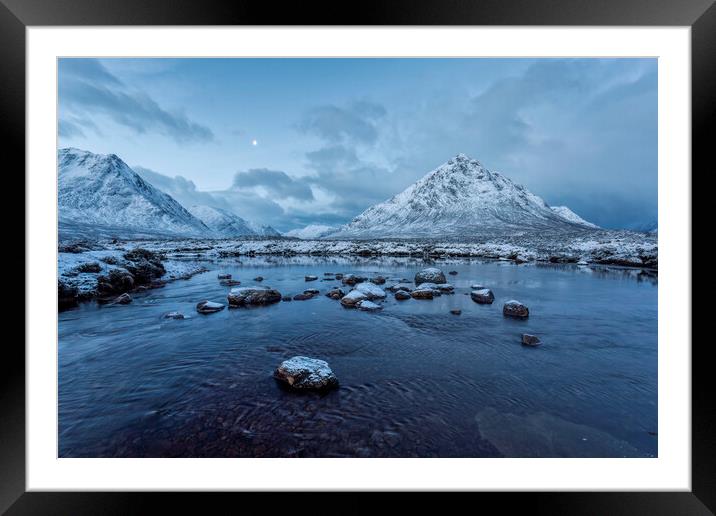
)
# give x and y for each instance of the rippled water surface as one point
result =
(415, 380)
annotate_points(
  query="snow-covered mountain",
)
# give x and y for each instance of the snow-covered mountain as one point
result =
(263, 230)
(222, 222)
(101, 192)
(460, 198)
(312, 231)
(568, 214)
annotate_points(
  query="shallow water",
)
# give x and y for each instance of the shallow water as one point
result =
(415, 380)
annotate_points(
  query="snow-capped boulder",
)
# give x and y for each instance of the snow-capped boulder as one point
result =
(208, 307)
(445, 288)
(351, 279)
(515, 309)
(244, 296)
(368, 306)
(304, 373)
(311, 278)
(402, 295)
(430, 275)
(370, 290)
(407, 287)
(352, 298)
(483, 296)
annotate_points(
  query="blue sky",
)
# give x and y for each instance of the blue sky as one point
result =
(289, 142)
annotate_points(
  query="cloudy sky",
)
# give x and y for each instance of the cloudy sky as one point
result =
(289, 142)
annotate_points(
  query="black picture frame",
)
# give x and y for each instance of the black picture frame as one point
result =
(17, 15)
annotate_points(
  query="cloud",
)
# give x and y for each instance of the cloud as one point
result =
(355, 123)
(87, 90)
(275, 183)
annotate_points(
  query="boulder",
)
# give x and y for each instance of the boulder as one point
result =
(477, 286)
(208, 307)
(230, 283)
(335, 293)
(124, 299)
(371, 291)
(483, 296)
(402, 295)
(378, 280)
(303, 297)
(311, 278)
(352, 298)
(116, 280)
(515, 309)
(400, 286)
(424, 293)
(223, 276)
(245, 296)
(368, 306)
(174, 315)
(312, 291)
(530, 340)
(430, 286)
(430, 275)
(259, 278)
(304, 373)
(452, 273)
(351, 279)
(339, 275)
(446, 288)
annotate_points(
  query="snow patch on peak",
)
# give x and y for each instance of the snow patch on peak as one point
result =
(222, 222)
(312, 231)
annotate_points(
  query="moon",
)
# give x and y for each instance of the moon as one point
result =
(254, 142)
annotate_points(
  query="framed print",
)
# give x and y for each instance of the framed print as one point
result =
(421, 249)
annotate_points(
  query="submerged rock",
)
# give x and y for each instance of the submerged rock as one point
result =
(174, 315)
(312, 291)
(124, 299)
(402, 295)
(430, 275)
(371, 291)
(303, 297)
(335, 293)
(304, 373)
(368, 306)
(530, 340)
(455, 311)
(352, 298)
(286, 298)
(311, 278)
(230, 283)
(259, 278)
(483, 296)
(452, 273)
(223, 276)
(67, 295)
(244, 296)
(515, 309)
(209, 307)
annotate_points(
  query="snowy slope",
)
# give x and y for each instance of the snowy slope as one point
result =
(102, 192)
(263, 230)
(311, 231)
(222, 222)
(460, 198)
(568, 214)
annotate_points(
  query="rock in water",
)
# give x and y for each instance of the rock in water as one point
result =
(244, 296)
(335, 293)
(352, 298)
(452, 273)
(430, 275)
(530, 340)
(259, 278)
(223, 276)
(483, 296)
(456, 311)
(208, 307)
(230, 283)
(371, 291)
(304, 373)
(368, 306)
(446, 288)
(477, 286)
(312, 291)
(378, 280)
(124, 299)
(515, 309)
(311, 278)
(402, 295)
(286, 298)
(423, 293)
(351, 279)
(303, 297)
(174, 315)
